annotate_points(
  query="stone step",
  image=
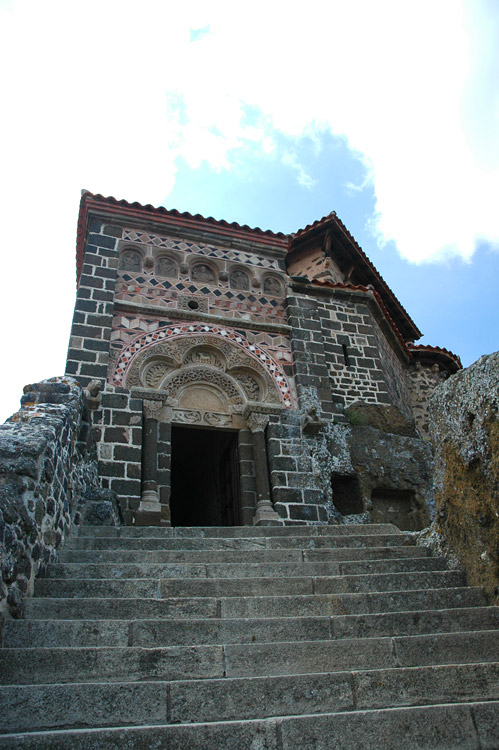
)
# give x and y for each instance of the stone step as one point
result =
(234, 532)
(232, 699)
(244, 543)
(258, 586)
(440, 727)
(158, 556)
(115, 570)
(179, 632)
(343, 554)
(192, 587)
(253, 607)
(134, 664)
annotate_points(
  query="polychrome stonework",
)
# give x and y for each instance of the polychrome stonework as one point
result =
(188, 332)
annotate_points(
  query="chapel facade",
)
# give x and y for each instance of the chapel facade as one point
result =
(237, 376)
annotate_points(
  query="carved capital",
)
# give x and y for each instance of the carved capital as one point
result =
(152, 409)
(257, 422)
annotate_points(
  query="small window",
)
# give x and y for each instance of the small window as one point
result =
(239, 280)
(130, 260)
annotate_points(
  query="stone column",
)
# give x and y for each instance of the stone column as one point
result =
(265, 514)
(149, 510)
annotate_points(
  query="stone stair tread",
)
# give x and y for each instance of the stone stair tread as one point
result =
(248, 586)
(340, 554)
(268, 606)
(132, 663)
(236, 531)
(231, 699)
(139, 632)
(263, 542)
(442, 726)
(117, 570)
(147, 633)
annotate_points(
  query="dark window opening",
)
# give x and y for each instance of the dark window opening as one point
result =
(345, 355)
(346, 494)
(205, 478)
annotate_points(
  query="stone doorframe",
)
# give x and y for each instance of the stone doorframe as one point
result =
(256, 503)
(206, 378)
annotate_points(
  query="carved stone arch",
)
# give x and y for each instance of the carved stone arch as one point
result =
(173, 342)
(154, 371)
(251, 382)
(161, 353)
(204, 352)
(203, 388)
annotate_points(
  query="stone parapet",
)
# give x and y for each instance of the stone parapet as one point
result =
(47, 463)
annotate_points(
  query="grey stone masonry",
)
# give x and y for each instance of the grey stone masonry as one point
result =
(297, 493)
(88, 353)
(308, 347)
(117, 426)
(353, 357)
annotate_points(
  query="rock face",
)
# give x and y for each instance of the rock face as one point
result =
(465, 433)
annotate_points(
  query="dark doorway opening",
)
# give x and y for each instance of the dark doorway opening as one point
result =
(205, 478)
(346, 494)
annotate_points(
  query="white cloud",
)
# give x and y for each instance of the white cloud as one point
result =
(107, 95)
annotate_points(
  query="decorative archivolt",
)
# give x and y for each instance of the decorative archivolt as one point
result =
(191, 369)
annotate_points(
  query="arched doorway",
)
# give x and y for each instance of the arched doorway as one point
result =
(205, 388)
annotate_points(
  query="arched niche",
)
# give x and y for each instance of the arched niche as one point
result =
(130, 259)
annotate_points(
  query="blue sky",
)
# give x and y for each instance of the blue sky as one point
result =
(386, 112)
(452, 301)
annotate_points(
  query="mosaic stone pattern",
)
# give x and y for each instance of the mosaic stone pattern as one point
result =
(212, 251)
(125, 330)
(146, 289)
(237, 337)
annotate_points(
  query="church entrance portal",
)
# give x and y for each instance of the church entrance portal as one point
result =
(205, 488)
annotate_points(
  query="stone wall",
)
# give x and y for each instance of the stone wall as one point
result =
(117, 428)
(88, 353)
(464, 427)
(423, 379)
(47, 466)
(395, 371)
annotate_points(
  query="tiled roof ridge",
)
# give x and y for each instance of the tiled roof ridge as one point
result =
(376, 272)
(182, 214)
(437, 350)
(333, 216)
(314, 224)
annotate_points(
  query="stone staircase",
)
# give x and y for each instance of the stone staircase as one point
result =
(276, 638)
